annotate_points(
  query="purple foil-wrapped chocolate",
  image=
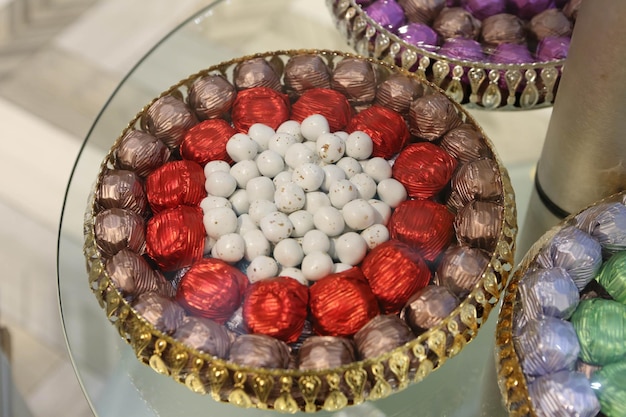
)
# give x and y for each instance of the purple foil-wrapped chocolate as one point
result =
(161, 312)
(420, 35)
(479, 223)
(548, 292)
(460, 268)
(547, 345)
(386, 13)
(140, 152)
(553, 48)
(462, 49)
(204, 335)
(432, 116)
(116, 229)
(168, 119)
(325, 352)
(211, 96)
(380, 335)
(465, 143)
(552, 23)
(422, 11)
(565, 394)
(397, 92)
(482, 9)
(576, 252)
(503, 28)
(122, 189)
(607, 224)
(355, 79)
(476, 180)
(571, 9)
(456, 22)
(428, 307)
(526, 9)
(132, 275)
(259, 351)
(256, 72)
(511, 53)
(304, 72)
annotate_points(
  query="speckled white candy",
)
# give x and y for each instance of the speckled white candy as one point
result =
(276, 226)
(316, 200)
(295, 273)
(280, 142)
(260, 188)
(342, 192)
(350, 166)
(261, 134)
(332, 173)
(383, 211)
(214, 166)
(358, 214)
(241, 147)
(302, 222)
(270, 163)
(212, 201)
(313, 126)
(256, 244)
(378, 168)
(229, 248)
(391, 191)
(329, 220)
(246, 224)
(288, 253)
(308, 176)
(219, 221)
(282, 178)
(330, 147)
(315, 241)
(244, 171)
(261, 267)
(365, 185)
(259, 209)
(220, 184)
(298, 154)
(375, 235)
(316, 266)
(351, 248)
(292, 127)
(359, 145)
(239, 201)
(289, 197)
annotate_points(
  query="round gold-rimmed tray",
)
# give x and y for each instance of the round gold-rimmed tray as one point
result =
(476, 84)
(291, 390)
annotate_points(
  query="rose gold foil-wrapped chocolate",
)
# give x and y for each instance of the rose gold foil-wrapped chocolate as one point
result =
(422, 11)
(325, 352)
(476, 180)
(428, 307)
(478, 224)
(460, 268)
(381, 335)
(122, 189)
(551, 22)
(456, 22)
(259, 351)
(503, 28)
(116, 229)
(356, 79)
(161, 312)
(397, 92)
(168, 119)
(465, 143)
(132, 275)
(432, 116)
(304, 72)
(204, 335)
(211, 96)
(256, 72)
(571, 9)
(175, 183)
(140, 152)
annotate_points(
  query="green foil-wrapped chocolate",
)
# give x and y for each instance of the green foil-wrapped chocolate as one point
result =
(612, 276)
(609, 383)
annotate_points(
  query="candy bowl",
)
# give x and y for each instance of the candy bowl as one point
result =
(300, 230)
(560, 341)
(487, 54)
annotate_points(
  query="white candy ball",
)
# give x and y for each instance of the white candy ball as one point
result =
(375, 235)
(383, 211)
(351, 248)
(350, 166)
(245, 224)
(241, 147)
(214, 166)
(229, 248)
(342, 192)
(280, 142)
(262, 267)
(313, 126)
(213, 201)
(332, 173)
(316, 200)
(391, 191)
(259, 209)
(343, 135)
(313, 147)
(302, 222)
(358, 214)
(261, 134)
(240, 202)
(308, 176)
(298, 154)
(244, 171)
(329, 220)
(341, 267)
(256, 244)
(260, 188)
(282, 179)
(330, 147)
(289, 197)
(219, 221)
(365, 185)
(276, 226)
(270, 163)
(316, 266)
(292, 127)
(220, 184)
(359, 145)
(209, 242)
(315, 241)
(288, 252)
(378, 168)
(295, 273)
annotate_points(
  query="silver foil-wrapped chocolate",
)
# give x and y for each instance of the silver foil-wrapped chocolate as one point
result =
(479, 223)
(607, 224)
(168, 119)
(565, 394)
(465, 143)
(460, 268)
(211, 96)
(259, 351)
(397, 92)
(380, 335)
(122, 189)
(256, 72)
(502, 28)
(432, 116)
(422, 11)
(476, 180)
(551, 22)
(304, 72)
(325, 352)
(140, 152)
(356, 79)
(161, 312)
(116, 229)
(427, 307)
(204, 335)
(456, 22)
(548, 292)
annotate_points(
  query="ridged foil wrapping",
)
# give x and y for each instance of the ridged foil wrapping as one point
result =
(607, 224)
(204, 335)
(116, 229)
(563, 393)
(123, 189)
(456, 22)
(548, 292)
(168, 118)
(478, 224)
(386, 127)
(256, 72)
(397, 92)
(140, 152)
(304, 72)
(460, 269)
(476, 180)
(428, 307)
(132, 275)
(161, 312)
(325, 352)
(175, 183)
(211, 96)
(356, 79)
(503, 28)
(422, 11)
(465, 143)
(206, 141)
(331, 104)
(259, 351)
(432, 116)
(381, 335)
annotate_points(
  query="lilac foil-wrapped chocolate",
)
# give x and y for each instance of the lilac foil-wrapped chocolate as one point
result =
(553, 48)
(456, 22)
(465, 143)
(386, 13)
(259, 351)
(511, 53)
(482, 9)
(168, 119)
(122, 189)
(397, 92)
(161, 312)
(478, 224)
(548, 292)
(325, 352)
(380, 335)
(132, 275)
(116, 229)
(211, 96)
(460, 268)
(462, 49)
(526, 9)
(503, 28)
(256, 72)
(427, 307)
(304, 72)
(204, 335)
(547, 345)
(420, 35)
(432, 116)
(140, 152)
(607, 224)
(563, 393)
(476, 180)
(552, 22)
(576, 252)
(422, 11)
(356, 79)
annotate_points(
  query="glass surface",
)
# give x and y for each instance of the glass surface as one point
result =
(114, 382)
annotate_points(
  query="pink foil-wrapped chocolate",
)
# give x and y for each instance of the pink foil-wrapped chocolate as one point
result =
(204, 335)
(168, 119)
(428, 307)
(304, 72)
(256, 72)
(479, 223)
(325, 352)
(460, 268)
(476, 180)
(553, 48)
(526, 9)
(381, 335)
(456, 22)
(462, 49)
(122, 189)
(116, 229)
(397, 92)
(386, 13)
(420, 35)
(552, 22)
(161, 312)
(422, 11)
(132, 275)
(356, 79)
(503, 28)
(259, 351)
(482, 9)
(432, 116)
(211, 96)
(465, 143)
(140, 152)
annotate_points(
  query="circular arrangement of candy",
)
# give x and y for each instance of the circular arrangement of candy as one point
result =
(306, 215)
(569, 327)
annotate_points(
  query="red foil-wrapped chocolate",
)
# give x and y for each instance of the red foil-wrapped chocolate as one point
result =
(397, 92)
(140, 152)
(325, 352)
(424, 169)
(206, 141)
(204, 335)
(387, 129)
(168, 119)
(276, 307)
(116, 229)
(256, 72)
(428, 307)
(479, 223)
(211, 96)
(551, 22)
(122, 189)
(432, 116)
(304, 72)
(259, 351)
(175, 183)
(329, 103)
(456, 22)
(503, 28)
(213, 289)
(132, 275)
(381, 335)
(161, 312)
(355, 78)
(394, 272)
(476, 180)
(423, 225)
(465, 143)
(175, 237)
(460, 268)
(341, 303)
(260, 104)
(422, 11)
